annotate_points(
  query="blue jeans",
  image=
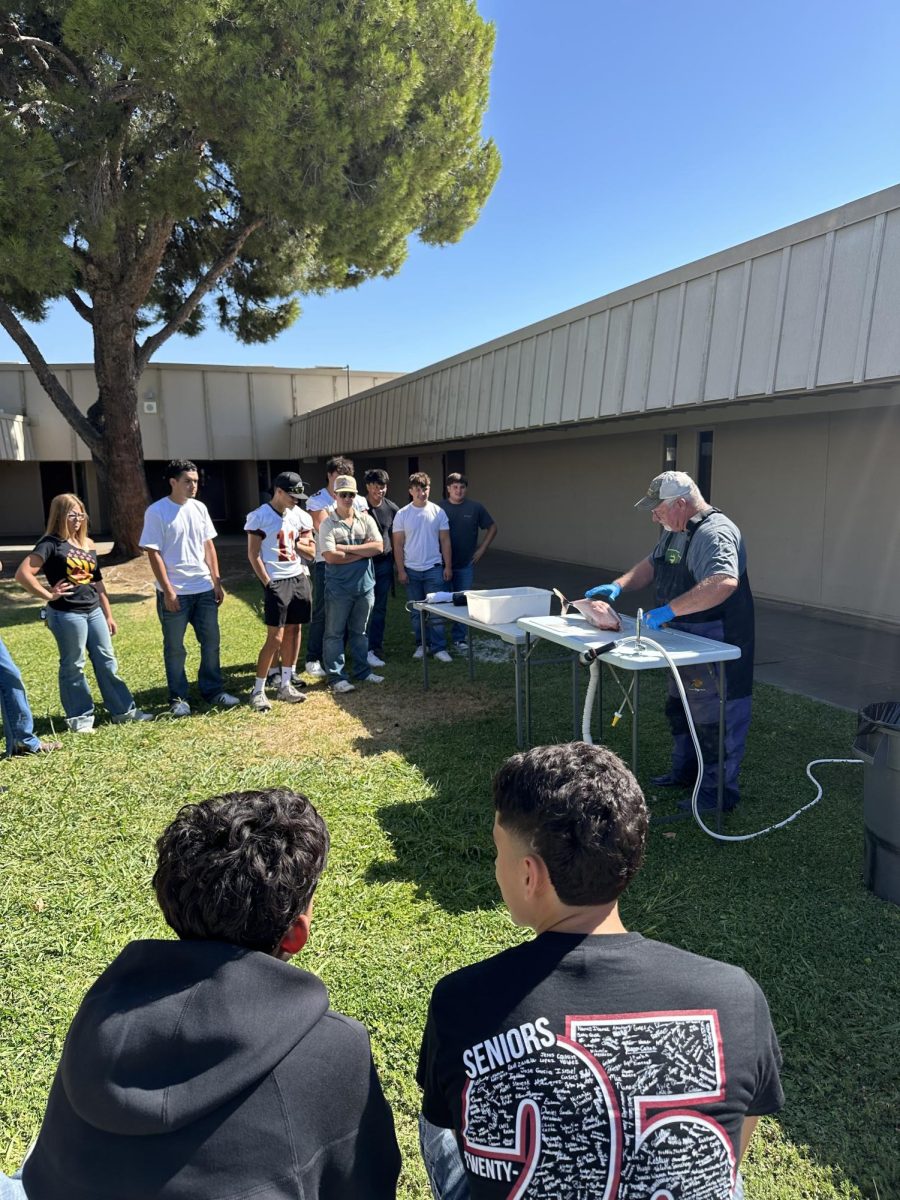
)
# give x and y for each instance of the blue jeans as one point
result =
(462, 580)
(12, 1187)
(384, 577)
(420, 583)
(445, 1170)
(347, 616)
(18, 725)
(81, 635)
(200, 610)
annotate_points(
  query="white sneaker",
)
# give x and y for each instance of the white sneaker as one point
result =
(180, 708)
(134, 715)
(289, 694)
(460, 648)
(225, 700)
(316, 670)
(419, 652)
(373, 678)
(343, 685)
(443, 656)
(373, 660)
(273, 676)
(260, 702)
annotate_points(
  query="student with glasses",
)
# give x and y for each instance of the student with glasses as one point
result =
(78, 615)
(349, 540)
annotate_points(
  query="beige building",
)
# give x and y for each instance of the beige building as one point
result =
(769, 371)
(233, 422)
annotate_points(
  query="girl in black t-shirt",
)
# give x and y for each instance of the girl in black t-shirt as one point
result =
(78, 615)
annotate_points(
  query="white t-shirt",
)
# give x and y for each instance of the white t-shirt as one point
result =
(280, 532)
(323, 499)
(179, 532)
(421, 526)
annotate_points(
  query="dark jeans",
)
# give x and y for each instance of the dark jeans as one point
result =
(315, 635)
(200, 610)
(461, 582)
(384, 577)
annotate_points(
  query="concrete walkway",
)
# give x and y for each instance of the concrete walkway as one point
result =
(842, 664)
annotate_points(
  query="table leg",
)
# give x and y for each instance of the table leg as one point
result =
(520, 741)
(576, 723)
(634, 723)
(528, 689)
(471, 653)
(720, 789)
(424, 644)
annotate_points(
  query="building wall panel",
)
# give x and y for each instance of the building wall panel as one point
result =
(511, 387)
(725, 334)
(640, 353)
(574, 378)
(861, 553)
(759, 329)
(538, 407)
(769, 477)
(228, 400)
(690, 377)
(797, 335)
(846, 289)
(556, 373)
(594, 360)
(883, 358)
(616, 358)
(664, 359)
(470, 415)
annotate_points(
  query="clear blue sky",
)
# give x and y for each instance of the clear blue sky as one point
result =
(636, 135)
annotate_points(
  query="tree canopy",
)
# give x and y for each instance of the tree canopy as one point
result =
(165, 164)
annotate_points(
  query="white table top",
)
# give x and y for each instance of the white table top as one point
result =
(575, 633)
(460, 613)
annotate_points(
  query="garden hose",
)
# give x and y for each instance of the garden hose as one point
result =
(592, 657)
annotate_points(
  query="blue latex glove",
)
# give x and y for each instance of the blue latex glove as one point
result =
(657, 617)
(606, 591)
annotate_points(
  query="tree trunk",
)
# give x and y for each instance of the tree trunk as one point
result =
(121, 461)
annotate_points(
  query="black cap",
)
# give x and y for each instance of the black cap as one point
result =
(290, 482)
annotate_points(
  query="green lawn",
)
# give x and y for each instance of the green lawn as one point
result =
(403, 781)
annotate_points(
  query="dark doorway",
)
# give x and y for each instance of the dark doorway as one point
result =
(56, 478)
(705, 464)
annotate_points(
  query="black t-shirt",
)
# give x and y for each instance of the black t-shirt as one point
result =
(383, 516)
(77, 564)
(589, 1066)
(466, 518)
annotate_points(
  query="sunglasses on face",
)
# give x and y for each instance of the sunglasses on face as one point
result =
(75, 516)
(346, 495)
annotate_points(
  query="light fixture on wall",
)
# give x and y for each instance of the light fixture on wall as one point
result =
(149, 402)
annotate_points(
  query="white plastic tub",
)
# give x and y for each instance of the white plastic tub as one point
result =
(502, 606)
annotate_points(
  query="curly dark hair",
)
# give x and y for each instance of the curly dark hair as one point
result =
(241, 867)
(176, 467)
(582, 811)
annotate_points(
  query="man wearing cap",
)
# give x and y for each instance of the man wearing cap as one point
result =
(318, 506)
(349, 540)
(279, 538)
(699, 570)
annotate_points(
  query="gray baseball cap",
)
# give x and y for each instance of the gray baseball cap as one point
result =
(668, 486)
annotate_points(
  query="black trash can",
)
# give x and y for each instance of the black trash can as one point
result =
(878, 745)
